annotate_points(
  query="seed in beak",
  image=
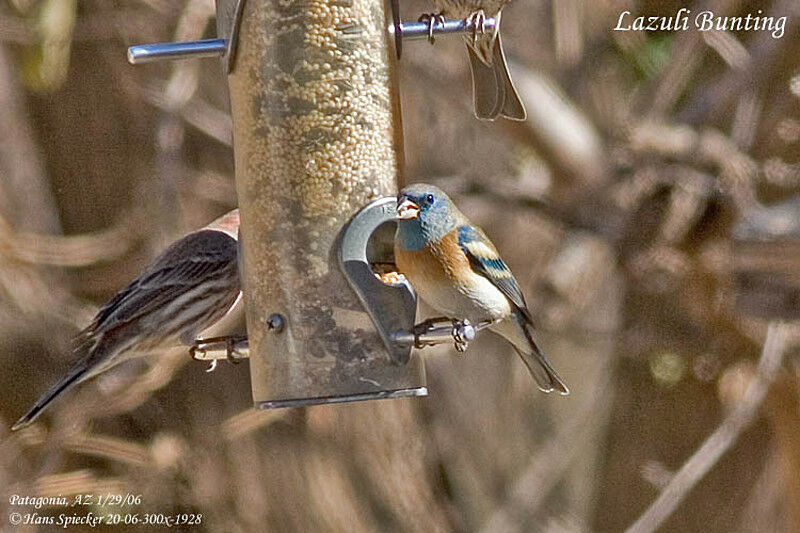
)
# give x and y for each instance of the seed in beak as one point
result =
(407, 210)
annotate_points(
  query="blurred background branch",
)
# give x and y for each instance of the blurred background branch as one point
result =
(614, 204)
(721, 440)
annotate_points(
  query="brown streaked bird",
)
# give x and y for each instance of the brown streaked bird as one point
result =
(493, 90)
(189, 287)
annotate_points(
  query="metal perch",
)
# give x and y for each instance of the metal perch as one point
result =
(408, 30)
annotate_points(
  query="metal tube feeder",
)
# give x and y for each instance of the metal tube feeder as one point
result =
(316, 137)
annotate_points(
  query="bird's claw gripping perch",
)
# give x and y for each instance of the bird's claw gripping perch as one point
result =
(463, 332)
(477, 22)
(442, 329)
(432, 19)
(232, 348)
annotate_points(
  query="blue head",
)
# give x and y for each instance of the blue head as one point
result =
(424, 214)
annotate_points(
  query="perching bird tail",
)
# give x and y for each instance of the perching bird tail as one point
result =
(545, 375)
(493, 90)
(76, 374)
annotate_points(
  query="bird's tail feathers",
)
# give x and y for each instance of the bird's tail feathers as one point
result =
(493, 90)
(76, 374)
(540, 368)
(485, 89)
(512, 106)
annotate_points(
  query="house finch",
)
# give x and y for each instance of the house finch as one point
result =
(494, 93)
(190, 286)
(456, 269)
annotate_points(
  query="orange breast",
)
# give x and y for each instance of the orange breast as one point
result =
(443, 261)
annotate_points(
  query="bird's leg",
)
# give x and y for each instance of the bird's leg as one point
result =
(432, 19)
(230, 344)
(230, 349)
(200, 346)
(440, 330)
(196, 347)
(477, 21)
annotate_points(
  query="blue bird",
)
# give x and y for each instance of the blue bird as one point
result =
(456, 269)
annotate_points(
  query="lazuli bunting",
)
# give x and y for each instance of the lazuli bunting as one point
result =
(189, 287)
(456, 269)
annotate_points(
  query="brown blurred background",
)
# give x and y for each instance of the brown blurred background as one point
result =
(614, 205)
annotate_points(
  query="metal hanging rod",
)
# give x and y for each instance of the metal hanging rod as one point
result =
(421, 29)
(147, 53)
(429, 333)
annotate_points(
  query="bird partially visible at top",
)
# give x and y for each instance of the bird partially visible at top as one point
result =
(493, 90)
(189, 287)
(454, 268)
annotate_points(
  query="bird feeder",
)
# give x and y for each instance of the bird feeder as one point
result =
(316, 137)
(318, 149)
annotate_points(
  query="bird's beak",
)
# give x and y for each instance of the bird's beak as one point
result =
(407, 209)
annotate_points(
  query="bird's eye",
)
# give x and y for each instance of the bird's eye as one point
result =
(429, 199)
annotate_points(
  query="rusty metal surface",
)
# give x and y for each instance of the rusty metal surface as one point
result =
(315, 138)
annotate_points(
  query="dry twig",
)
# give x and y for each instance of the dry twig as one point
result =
(722, 439)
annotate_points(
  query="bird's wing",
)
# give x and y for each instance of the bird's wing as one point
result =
(184, 266)
(485, 260)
